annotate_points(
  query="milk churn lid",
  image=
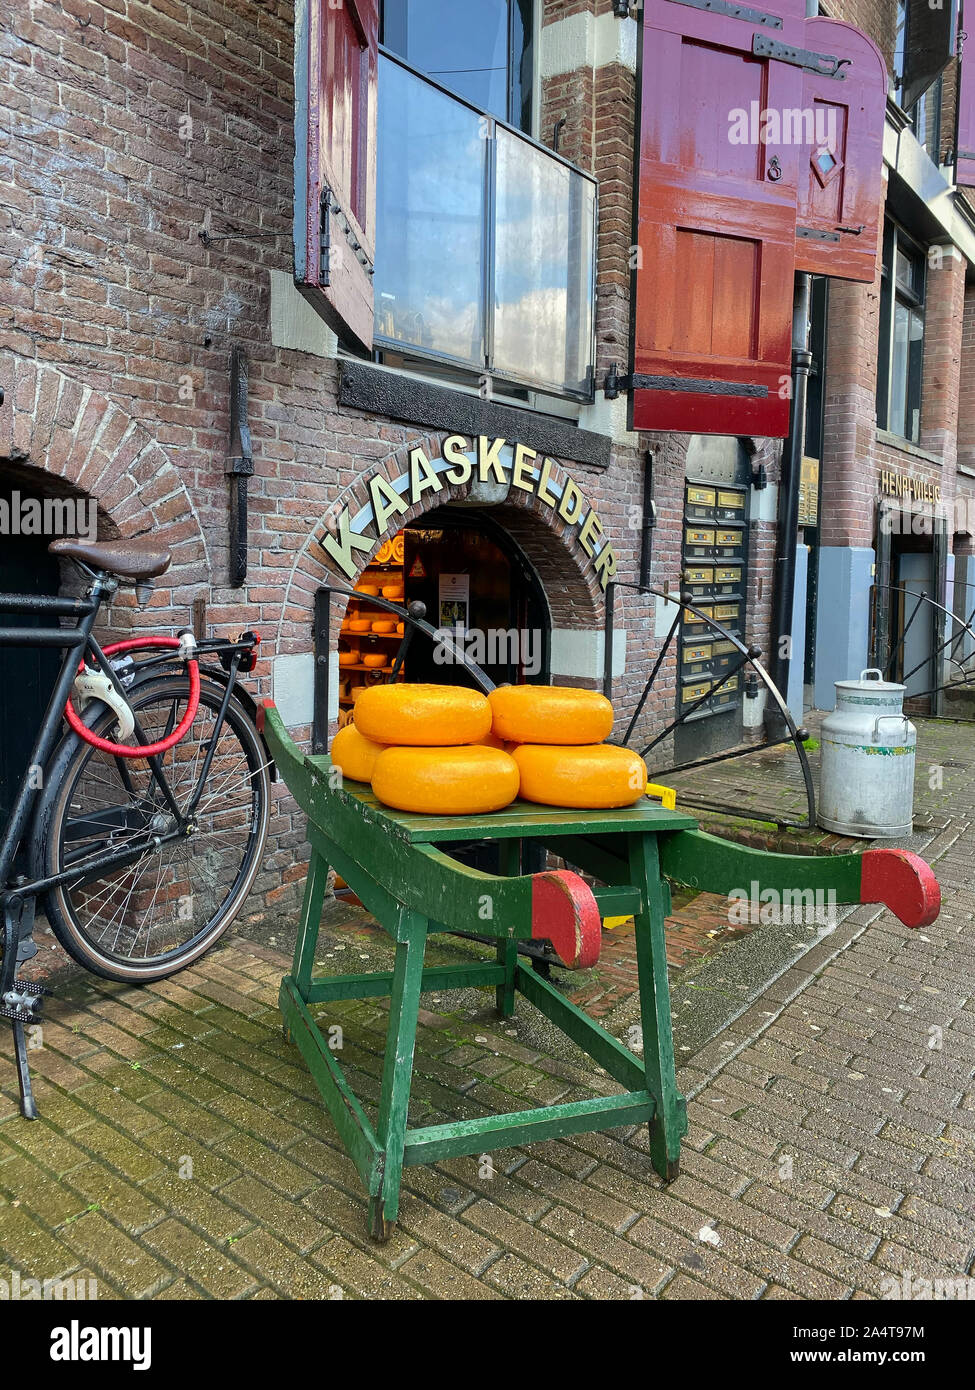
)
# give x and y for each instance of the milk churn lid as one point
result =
(876, 685)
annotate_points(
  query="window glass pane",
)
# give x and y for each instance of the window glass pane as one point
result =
(899, 35)
(899, 369)
(915, 355)
(543, 268)
(460, 45)
(430, 218)
(905, 372)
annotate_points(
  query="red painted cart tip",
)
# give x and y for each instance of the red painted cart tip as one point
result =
(262, 709)
(565, 912)
(903, 882)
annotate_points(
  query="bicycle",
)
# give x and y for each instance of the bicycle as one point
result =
(143, 824)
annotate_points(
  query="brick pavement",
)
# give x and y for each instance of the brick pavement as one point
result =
(181, 1152)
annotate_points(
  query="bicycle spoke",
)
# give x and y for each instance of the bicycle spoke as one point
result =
(170, 893)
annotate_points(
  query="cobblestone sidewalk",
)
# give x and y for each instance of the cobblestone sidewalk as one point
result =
(182, 1153)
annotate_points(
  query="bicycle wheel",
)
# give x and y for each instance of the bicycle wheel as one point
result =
(156, 915)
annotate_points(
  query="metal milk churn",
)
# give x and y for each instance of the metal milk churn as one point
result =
(867, 771)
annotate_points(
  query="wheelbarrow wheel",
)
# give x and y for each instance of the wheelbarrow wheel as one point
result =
(379, 1228)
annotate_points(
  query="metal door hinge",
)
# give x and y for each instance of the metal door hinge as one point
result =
(733, 11)
(332, 209)
(825, 64)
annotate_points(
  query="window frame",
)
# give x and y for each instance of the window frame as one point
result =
(515, 88)
(475, 374)
(914, 298)
(929, 107)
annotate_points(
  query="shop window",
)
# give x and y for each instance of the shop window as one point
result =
(481, 52)
(901, 348)
(485, 251)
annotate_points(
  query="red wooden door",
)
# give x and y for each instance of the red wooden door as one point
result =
(841, 158)
(717, 221)
(336, 56)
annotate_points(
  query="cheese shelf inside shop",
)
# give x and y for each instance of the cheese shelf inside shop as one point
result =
(384, 573)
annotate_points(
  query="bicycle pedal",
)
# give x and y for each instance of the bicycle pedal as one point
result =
(24, 1002)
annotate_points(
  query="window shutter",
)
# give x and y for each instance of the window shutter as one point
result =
(336, 56)
(965, 150)
(717, 224)
(841, 178)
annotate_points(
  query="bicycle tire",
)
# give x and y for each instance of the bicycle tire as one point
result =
(67, 821)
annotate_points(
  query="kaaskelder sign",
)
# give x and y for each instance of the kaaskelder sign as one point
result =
(483, 459)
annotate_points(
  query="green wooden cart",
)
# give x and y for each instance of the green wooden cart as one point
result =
(393, 861)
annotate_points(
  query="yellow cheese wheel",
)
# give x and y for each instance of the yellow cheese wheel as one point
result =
(423, 715)
(594, 776)
(445, 781)
(368, 590)
(374, 659)
(358, 625)
(550, 714)
(354, 754)
(384, 625)
(349, 658)
(393, 592)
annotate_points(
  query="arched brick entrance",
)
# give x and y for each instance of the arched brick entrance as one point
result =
(566, 573)
(63, 437)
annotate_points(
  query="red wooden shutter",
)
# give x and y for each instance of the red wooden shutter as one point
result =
(717, 225)
(965, 153)
(841, 178)
(336, 55)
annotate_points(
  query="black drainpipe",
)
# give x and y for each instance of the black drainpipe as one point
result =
(649, 520)
(787, 520)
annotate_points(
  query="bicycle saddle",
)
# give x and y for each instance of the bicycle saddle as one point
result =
(129, 559)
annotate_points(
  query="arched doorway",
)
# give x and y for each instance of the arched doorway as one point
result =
(27, 674)
(473, 579)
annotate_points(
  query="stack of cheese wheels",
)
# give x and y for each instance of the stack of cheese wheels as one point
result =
(426, 748)
(562, 761)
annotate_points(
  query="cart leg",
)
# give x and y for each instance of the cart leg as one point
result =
(508, 947)
(669, 1123)
(309, 923)
(505, 994)
(394, 1099)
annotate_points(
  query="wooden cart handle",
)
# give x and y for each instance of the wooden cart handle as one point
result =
(565, 912)
(903, 882)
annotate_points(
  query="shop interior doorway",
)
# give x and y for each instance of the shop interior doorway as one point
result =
(475, 582)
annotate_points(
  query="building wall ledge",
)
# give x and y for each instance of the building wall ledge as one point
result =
(904, 446)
